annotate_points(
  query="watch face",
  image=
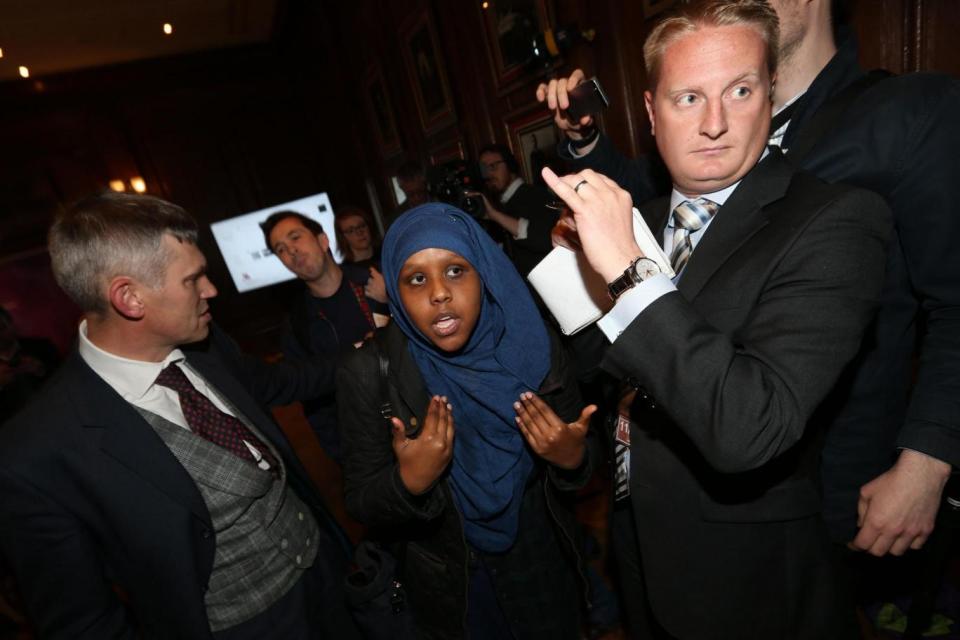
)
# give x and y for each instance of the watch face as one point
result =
(646, 268)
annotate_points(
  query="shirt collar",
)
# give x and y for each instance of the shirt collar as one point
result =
(789, 102)
(511, 189)
(720, 197)
(717, 196)
(130, 378)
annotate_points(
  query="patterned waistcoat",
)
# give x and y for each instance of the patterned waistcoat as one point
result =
(265, 535)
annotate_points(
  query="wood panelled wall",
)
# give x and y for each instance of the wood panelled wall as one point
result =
(232, 131)
(899, 35)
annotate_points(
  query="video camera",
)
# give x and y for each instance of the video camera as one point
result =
(450, 181)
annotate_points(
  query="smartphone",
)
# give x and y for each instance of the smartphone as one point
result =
(587, 99)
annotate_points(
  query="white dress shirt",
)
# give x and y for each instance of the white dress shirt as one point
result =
(776, 137)
(135, 381)
(633, 302)
(522, 223)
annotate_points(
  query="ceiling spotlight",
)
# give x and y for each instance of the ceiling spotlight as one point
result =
(24, 72)
(167, 28)
(486, 5)
(117, 185)
(1, 52)
(138, 184)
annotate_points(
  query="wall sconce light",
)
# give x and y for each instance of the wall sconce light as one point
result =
(167, 28)
(138, 184)
(24, 72)
(118, 186)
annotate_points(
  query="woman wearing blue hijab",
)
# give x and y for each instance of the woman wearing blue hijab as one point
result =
(474, 472)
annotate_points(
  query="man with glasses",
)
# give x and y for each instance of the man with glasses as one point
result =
(522, 209)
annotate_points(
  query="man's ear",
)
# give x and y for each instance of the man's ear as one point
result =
(648, 103)
(324, 241)
(124, 295)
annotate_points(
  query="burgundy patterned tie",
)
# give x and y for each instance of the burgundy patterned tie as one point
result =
(208, 422)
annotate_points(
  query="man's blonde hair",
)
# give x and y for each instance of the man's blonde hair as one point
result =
(691, 16)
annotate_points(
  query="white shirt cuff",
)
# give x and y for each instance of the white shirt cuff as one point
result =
(522, 225)
(632, 303)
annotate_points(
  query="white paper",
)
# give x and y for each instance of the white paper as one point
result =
(576, 294)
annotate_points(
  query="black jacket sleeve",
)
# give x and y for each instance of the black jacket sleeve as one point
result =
(744, 397)
(642, 177)
(273, 384)
(927, 209)
(67, 594)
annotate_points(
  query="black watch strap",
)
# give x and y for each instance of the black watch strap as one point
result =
(631, 277)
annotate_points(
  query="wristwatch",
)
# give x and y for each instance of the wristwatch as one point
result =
(639, 270)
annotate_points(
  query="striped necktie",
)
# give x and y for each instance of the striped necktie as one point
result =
(688, 217)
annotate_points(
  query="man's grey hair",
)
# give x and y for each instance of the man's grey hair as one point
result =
(111, 234)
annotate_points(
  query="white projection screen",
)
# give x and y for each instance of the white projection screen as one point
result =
(251, 264)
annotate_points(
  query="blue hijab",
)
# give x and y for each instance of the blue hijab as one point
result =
(508, 353)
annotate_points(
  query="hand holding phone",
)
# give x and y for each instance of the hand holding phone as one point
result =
(586, 99)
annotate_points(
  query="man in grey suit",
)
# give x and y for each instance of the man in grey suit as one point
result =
(778, 277)
(147, 493)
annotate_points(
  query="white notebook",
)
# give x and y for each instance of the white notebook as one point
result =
(576, 294)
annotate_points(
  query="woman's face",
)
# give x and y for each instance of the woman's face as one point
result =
(356, 231)
(441, 292)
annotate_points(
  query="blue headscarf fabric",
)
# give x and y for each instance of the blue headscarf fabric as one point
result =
(507, 354)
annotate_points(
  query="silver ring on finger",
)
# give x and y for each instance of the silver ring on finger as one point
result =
(576, 189)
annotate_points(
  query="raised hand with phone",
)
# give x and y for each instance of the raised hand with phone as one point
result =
(575, 101)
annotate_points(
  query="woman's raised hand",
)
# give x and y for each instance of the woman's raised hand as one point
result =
(421, 460)
(552, 439)
(376, 288)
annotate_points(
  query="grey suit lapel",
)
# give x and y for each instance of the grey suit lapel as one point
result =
(125, 436)
(741, 216)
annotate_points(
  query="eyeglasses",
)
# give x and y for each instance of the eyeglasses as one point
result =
(357, 228)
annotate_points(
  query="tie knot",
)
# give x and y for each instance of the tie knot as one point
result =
(693, 214)
(172, 377)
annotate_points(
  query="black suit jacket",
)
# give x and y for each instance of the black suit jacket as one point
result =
(93, 498)
(530, 202)
(772, 305)
(897, 138)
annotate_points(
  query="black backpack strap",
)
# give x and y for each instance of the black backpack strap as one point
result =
(828, 115)
(398, 549)
(383, 363)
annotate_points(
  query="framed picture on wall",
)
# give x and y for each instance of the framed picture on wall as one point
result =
(424, 61)
(653, 7)
(380, 111)
(446, 152)
(511, 27)
(533, 139)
